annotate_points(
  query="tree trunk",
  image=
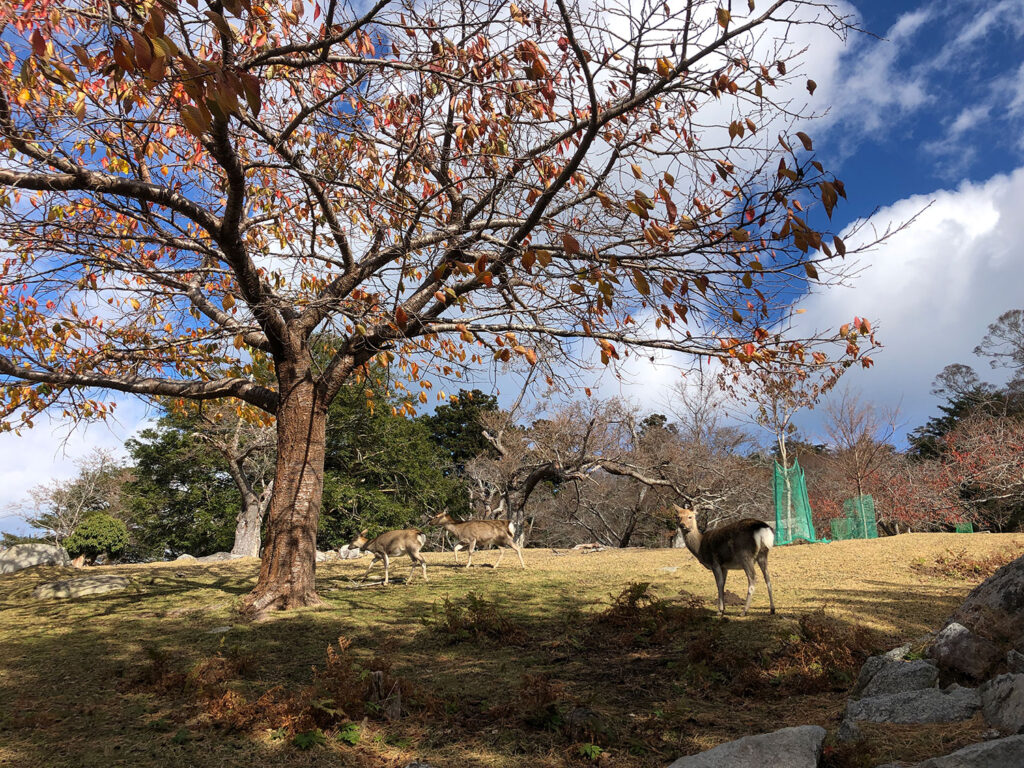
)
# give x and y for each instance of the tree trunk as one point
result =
(249, 524)
(288, 573)
(679, 539)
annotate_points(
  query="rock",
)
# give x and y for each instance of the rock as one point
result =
(320, 556)
(995, 608)
(882, 675)
(924, 706)
(669, 569)
(217, 557)
(848, 731)
(30, 555)
(589, 547)
(897, 654)
(184, 558)
(998, 753)
(1002, 703)
(958, 649)
(82, 586)
(219, 630)
(1015, 661)
(101, 559)
(798, 747)
(349, 553)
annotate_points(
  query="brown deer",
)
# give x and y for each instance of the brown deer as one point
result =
(407, 541)
(479, 533)
(731, 547)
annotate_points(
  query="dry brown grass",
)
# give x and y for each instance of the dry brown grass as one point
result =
(618, 649)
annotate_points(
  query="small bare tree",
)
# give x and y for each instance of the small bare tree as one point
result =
(56, 508)
(860, 434)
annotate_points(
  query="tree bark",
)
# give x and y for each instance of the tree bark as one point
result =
(250, 523)
(288, 573)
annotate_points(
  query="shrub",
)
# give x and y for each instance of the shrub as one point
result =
(98, 534)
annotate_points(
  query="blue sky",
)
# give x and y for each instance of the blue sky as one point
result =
(925, 120)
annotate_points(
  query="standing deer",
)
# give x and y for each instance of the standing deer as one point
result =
(482, 533)
(407, 541)
(731, 547)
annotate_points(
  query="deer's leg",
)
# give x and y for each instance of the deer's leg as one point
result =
(373, 562)
(501, 554)
(387, 567)
(762, 560)
(417, 559)
(720, 574)
(472, 546)
(455, 551)
(748, 568)
(519, 551)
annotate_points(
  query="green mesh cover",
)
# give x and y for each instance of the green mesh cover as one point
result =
(792, 515)
(858, 521)
(965, 528)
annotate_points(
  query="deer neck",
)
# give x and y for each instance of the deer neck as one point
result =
(693, 539)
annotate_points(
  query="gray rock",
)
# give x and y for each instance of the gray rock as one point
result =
(798, 747)
(925, 706)
(349, 553)
(995, 608)
(881, 675)
(217, 557)
(959, 649)
(320, 556)
(82, 586)
(998, 753)
(1002, 703)
(1015, 661)
(848, 731)
(184, 558)
(29, 555)
(897, 654)
(219, 630)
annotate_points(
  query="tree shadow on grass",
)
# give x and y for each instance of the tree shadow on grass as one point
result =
(668, 680)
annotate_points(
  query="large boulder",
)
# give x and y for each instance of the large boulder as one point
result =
(958, 649)
(929, 705)
(29, 555)
(82, 586)
(1002, 703)
(998, 753)
(882, 675)
(798, 747)
(995, 608)
(185, 558)
(217, 557)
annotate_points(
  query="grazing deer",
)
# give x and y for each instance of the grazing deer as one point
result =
(407, 541)
(480, 533)
(731, 547)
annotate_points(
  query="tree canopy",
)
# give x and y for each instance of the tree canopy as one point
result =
(193, 189)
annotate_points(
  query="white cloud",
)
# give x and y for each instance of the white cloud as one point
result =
(50, 450)
(933, 289)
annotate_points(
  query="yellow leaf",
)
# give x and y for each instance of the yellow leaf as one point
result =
(134, 303)
(229, 301)
(636, 171)
(723, 17)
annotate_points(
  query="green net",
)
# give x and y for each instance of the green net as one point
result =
(792, 507)
(858, 521)
(965, 528)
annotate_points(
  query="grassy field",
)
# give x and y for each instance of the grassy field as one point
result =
(613, 658)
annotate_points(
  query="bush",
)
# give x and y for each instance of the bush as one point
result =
(98, 534)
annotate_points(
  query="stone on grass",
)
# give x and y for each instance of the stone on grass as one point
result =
(881, 675)
(82, 586)
(1002, 703)
(32, 554)
(798, 747)
(998, 753)
(349, 553)
(184, 558)
(958, 649)
(929, 705)
(1015, 661)
(217, 557)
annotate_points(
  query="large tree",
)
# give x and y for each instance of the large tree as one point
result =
(202, 186)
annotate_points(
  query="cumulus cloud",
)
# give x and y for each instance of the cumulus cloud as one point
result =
(932, 289)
